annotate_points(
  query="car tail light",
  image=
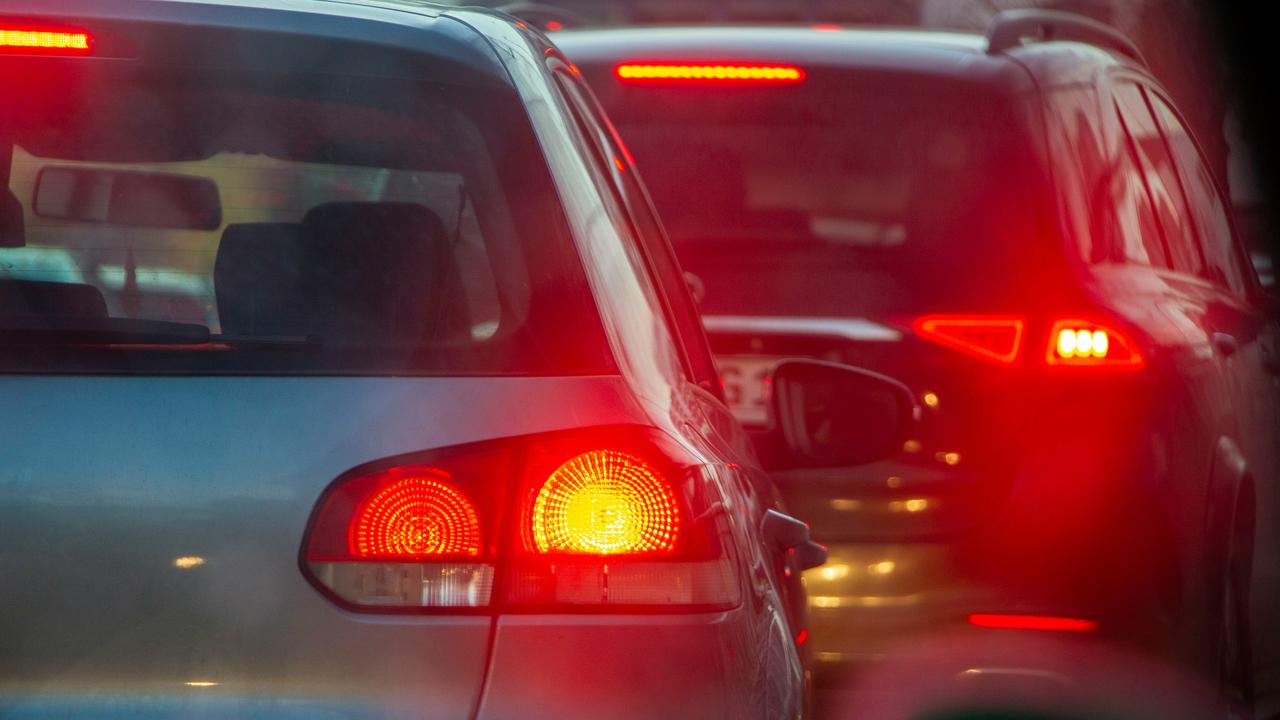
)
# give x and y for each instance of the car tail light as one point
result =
(1081, 343)
(605, 503)
(1032, 622)
(994, 338)
(613, 518)
(709, 73)
(45, 40)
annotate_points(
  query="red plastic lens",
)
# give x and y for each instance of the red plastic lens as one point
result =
(415, 516)
(599, 518)
(708, 73)
(994, 338)
(1032, 622)
(605, 503)
(43, 40)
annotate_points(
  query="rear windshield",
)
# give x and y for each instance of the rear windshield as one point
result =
(871, 193)
(225, 222)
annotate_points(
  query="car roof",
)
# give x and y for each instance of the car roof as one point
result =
(397, 24)
(962, 56)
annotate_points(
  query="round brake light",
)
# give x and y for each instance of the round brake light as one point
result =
(605, 502)
(415, 516)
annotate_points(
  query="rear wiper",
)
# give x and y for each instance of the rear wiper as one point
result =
(43, 330)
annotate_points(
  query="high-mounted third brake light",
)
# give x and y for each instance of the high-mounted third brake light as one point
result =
(1081, 343)
(990, 337)
(42, 40)
(729, 73)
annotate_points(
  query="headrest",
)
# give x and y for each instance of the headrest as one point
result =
(12, 229)
(357, 273)
(37, 297)
(256, 280)
(374, 271)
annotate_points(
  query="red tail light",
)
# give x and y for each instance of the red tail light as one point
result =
(415, 514)
(45, 40)
(1032, 622)
(990, 337)
(601, 518)
(709, 73)
(605, 503)
(1081, 343)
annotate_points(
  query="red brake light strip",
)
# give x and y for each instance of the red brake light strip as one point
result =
(54, 41)
(1032, 622)
(709, 73)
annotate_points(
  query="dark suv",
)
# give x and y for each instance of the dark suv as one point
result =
(1021, 227)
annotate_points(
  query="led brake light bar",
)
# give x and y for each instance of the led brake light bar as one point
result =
(71, 42)
(735, 73)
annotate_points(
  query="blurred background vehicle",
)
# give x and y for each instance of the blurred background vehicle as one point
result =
(1021, 227)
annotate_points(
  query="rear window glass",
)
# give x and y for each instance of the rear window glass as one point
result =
(866, 192)
(223, 222)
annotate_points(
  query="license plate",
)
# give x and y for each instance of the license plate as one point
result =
(744, 378)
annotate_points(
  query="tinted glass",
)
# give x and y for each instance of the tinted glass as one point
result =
(1208, 209)
(822, 199)
(366, 226)
(1161, 178)
(1105, 198)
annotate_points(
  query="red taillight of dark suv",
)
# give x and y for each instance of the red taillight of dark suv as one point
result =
(1071, 342)
(617, 518)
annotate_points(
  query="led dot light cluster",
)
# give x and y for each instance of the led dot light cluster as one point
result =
(416, 516)
(605, 502)
(43, 39)
(1082, 343)
(712, 73)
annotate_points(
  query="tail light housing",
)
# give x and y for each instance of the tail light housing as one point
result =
(1082, 343)
(1071, 342)
(619, 518)
(994, 338)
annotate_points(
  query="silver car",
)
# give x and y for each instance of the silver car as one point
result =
(366, 385)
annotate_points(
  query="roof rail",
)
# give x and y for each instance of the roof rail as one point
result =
(1013, 28)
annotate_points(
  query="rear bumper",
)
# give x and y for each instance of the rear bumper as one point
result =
(729, 665)
(1064, 534)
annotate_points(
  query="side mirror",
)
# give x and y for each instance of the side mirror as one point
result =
(831, 415)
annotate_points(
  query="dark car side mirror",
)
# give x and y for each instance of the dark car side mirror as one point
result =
(832, 415)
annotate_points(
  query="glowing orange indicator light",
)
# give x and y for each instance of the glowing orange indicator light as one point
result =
(53, 40)
(605, 503)
(1032, 622)
(415, 516)
(677, 72)
(994, 338)
(1082, 343)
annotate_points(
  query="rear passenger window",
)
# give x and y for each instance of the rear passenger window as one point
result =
(299, 224)
(1208, 210)
(1162, 180)
(1102, 179)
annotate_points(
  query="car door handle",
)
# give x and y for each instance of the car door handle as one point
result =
(1225, 344)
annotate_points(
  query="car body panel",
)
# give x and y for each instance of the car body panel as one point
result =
(226, 470)
(157, 521)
